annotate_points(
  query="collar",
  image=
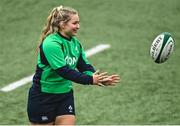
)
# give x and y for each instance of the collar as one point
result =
(69, 39)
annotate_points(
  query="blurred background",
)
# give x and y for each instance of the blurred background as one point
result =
(148, 93)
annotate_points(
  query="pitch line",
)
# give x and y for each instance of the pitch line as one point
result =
(25, 80)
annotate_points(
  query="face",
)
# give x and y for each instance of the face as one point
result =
(71, 27)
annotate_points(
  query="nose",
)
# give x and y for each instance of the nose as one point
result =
(78, 26)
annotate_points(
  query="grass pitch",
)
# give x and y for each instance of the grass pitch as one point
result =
(148, 93)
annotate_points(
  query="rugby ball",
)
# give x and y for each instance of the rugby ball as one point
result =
(162, 47)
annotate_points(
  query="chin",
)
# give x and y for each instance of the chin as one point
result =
(74, 34)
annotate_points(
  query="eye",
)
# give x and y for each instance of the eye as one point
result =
(77, 22)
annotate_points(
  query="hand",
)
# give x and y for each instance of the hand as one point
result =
(99, 77)
(111, 80)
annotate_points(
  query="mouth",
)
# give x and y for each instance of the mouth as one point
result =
(75, 31)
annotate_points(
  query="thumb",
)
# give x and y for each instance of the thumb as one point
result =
(97, 72)
(102, 85)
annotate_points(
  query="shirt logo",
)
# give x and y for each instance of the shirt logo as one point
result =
(44, 118)
(70, 60)
(70, 108)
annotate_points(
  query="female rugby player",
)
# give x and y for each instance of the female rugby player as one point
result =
(61, 60)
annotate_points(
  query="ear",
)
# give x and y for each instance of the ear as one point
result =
(62, 25)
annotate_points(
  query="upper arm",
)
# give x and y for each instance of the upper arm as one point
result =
(54, 54)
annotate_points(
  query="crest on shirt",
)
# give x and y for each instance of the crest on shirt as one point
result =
(76, 49)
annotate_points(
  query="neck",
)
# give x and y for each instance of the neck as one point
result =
(62, 34)
(65, 35)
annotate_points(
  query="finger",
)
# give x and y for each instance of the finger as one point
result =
(114, 76)
(103, 78)
(106, 80)
(116, 81)
(97, 72)
(103, 74)
(100, 84)
(112, 84)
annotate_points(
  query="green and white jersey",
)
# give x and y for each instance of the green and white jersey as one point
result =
(57, 52)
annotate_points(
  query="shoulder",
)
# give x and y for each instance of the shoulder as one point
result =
(53, 38)
(51, 42)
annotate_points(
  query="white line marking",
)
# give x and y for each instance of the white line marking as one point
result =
(97, 49)
(23, 81)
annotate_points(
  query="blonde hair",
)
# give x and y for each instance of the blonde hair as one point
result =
(57, 15)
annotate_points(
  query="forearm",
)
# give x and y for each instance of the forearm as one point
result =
(82, 66)
(74, 75)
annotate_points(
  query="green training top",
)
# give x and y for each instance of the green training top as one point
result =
(59, 52)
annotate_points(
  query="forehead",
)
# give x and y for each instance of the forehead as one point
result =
(74, 17)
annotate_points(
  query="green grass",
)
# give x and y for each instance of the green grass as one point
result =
(148, 93)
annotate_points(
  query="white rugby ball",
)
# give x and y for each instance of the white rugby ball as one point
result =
(162, 47)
